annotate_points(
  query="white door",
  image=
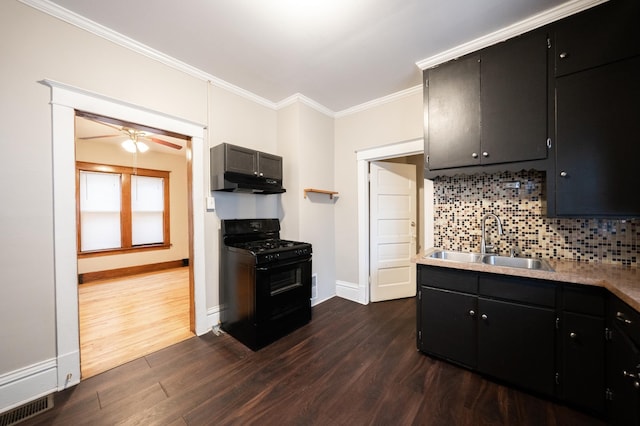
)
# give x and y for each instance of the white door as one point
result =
(392, 207)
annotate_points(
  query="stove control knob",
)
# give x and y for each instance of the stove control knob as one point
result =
(277, 255)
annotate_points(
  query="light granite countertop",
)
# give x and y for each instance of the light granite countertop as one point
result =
(622, 281)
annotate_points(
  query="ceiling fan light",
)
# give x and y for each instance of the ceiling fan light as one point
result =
(142, 147)
(129, 146)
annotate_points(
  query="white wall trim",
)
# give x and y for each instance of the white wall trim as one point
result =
(213, 316)
(363, 157)
(65, 100)
(521, 27)
(299, 97)
(380, 101)
(26, 384)
(350, 291)
(86, 24)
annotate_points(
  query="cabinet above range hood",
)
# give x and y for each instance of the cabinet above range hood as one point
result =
(238, 169)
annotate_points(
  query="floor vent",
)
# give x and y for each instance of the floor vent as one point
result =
(26, 411)
(314, 286)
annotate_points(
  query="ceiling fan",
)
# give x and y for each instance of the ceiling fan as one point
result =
(134, 141)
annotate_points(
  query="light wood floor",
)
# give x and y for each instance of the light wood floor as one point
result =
(126, 318)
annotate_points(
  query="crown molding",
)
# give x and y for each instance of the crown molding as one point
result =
(92, 27)
(379, 101)
(521, 27)
(299, 97)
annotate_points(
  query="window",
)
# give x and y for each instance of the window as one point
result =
(121, 209)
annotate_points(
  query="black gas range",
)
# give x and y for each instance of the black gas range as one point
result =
(265, 281)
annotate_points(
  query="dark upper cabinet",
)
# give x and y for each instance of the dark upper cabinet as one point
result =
(238, 169)
(489, 107)
(598, 141)
(597, 101)
(452, 96)
(250, 162)
(604, 34)
(513, 100)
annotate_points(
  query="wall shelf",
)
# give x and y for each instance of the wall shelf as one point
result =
(320, 191)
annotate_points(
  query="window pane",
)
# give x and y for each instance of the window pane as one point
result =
(99, 210)
(147, 210)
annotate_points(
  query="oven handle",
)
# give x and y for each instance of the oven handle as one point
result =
(284, 264)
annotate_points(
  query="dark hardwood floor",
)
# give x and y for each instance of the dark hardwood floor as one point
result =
(352, 365)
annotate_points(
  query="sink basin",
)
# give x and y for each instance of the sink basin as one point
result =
(491, 259)
(456, 256)
(517, 262)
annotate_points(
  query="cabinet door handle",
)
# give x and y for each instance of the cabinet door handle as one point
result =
(573, 335)
(261, 174)
(620, 317)
(627, 374)
(563, 174)
(564, 55)
(484, 317)
(474, 155)
(472, 313)
(485, 154)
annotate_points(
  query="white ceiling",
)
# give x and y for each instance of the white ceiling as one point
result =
(339, 53)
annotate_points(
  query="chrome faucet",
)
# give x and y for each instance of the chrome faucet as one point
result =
(483, 241)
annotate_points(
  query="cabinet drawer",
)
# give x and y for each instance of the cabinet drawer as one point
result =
(515, 289)
(627, 318)
(584, 300)
(448, 279)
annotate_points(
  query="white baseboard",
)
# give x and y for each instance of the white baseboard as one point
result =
(350, 291)
(316, 301)
(26, 384)
(213, 317)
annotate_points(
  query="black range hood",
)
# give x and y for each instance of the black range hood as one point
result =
(236, 182)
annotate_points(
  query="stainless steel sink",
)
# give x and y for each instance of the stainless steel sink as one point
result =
(456, 256)
(517, 262)
(492, 259)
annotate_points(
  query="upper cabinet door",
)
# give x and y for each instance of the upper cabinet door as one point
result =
(598, 36)
(598, 127)
(240, 160)
(513, 97)
(452, 92)
(269, 166)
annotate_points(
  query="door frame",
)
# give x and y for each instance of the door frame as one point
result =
(65, 100)
(400, 149)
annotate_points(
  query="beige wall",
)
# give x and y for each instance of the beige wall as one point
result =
(113, 154)
(392, 122)
(318, 151)
(33, 47)
(306, 139)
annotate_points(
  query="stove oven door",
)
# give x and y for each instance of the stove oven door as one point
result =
(283, 293)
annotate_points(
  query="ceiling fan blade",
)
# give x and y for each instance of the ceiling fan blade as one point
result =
(163, 142)
(99, 137)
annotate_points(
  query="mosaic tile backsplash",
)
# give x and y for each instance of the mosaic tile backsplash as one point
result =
(461, 201)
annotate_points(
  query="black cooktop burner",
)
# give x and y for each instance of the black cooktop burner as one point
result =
(264, 245)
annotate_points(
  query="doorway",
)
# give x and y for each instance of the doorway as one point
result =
(65, 100)
(133, 241)
(364, 157)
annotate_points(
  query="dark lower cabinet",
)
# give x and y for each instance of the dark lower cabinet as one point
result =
(543, 336)
(449, 326)
(583, 360)
(516, 343)
(623, 363)
(510, 340)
